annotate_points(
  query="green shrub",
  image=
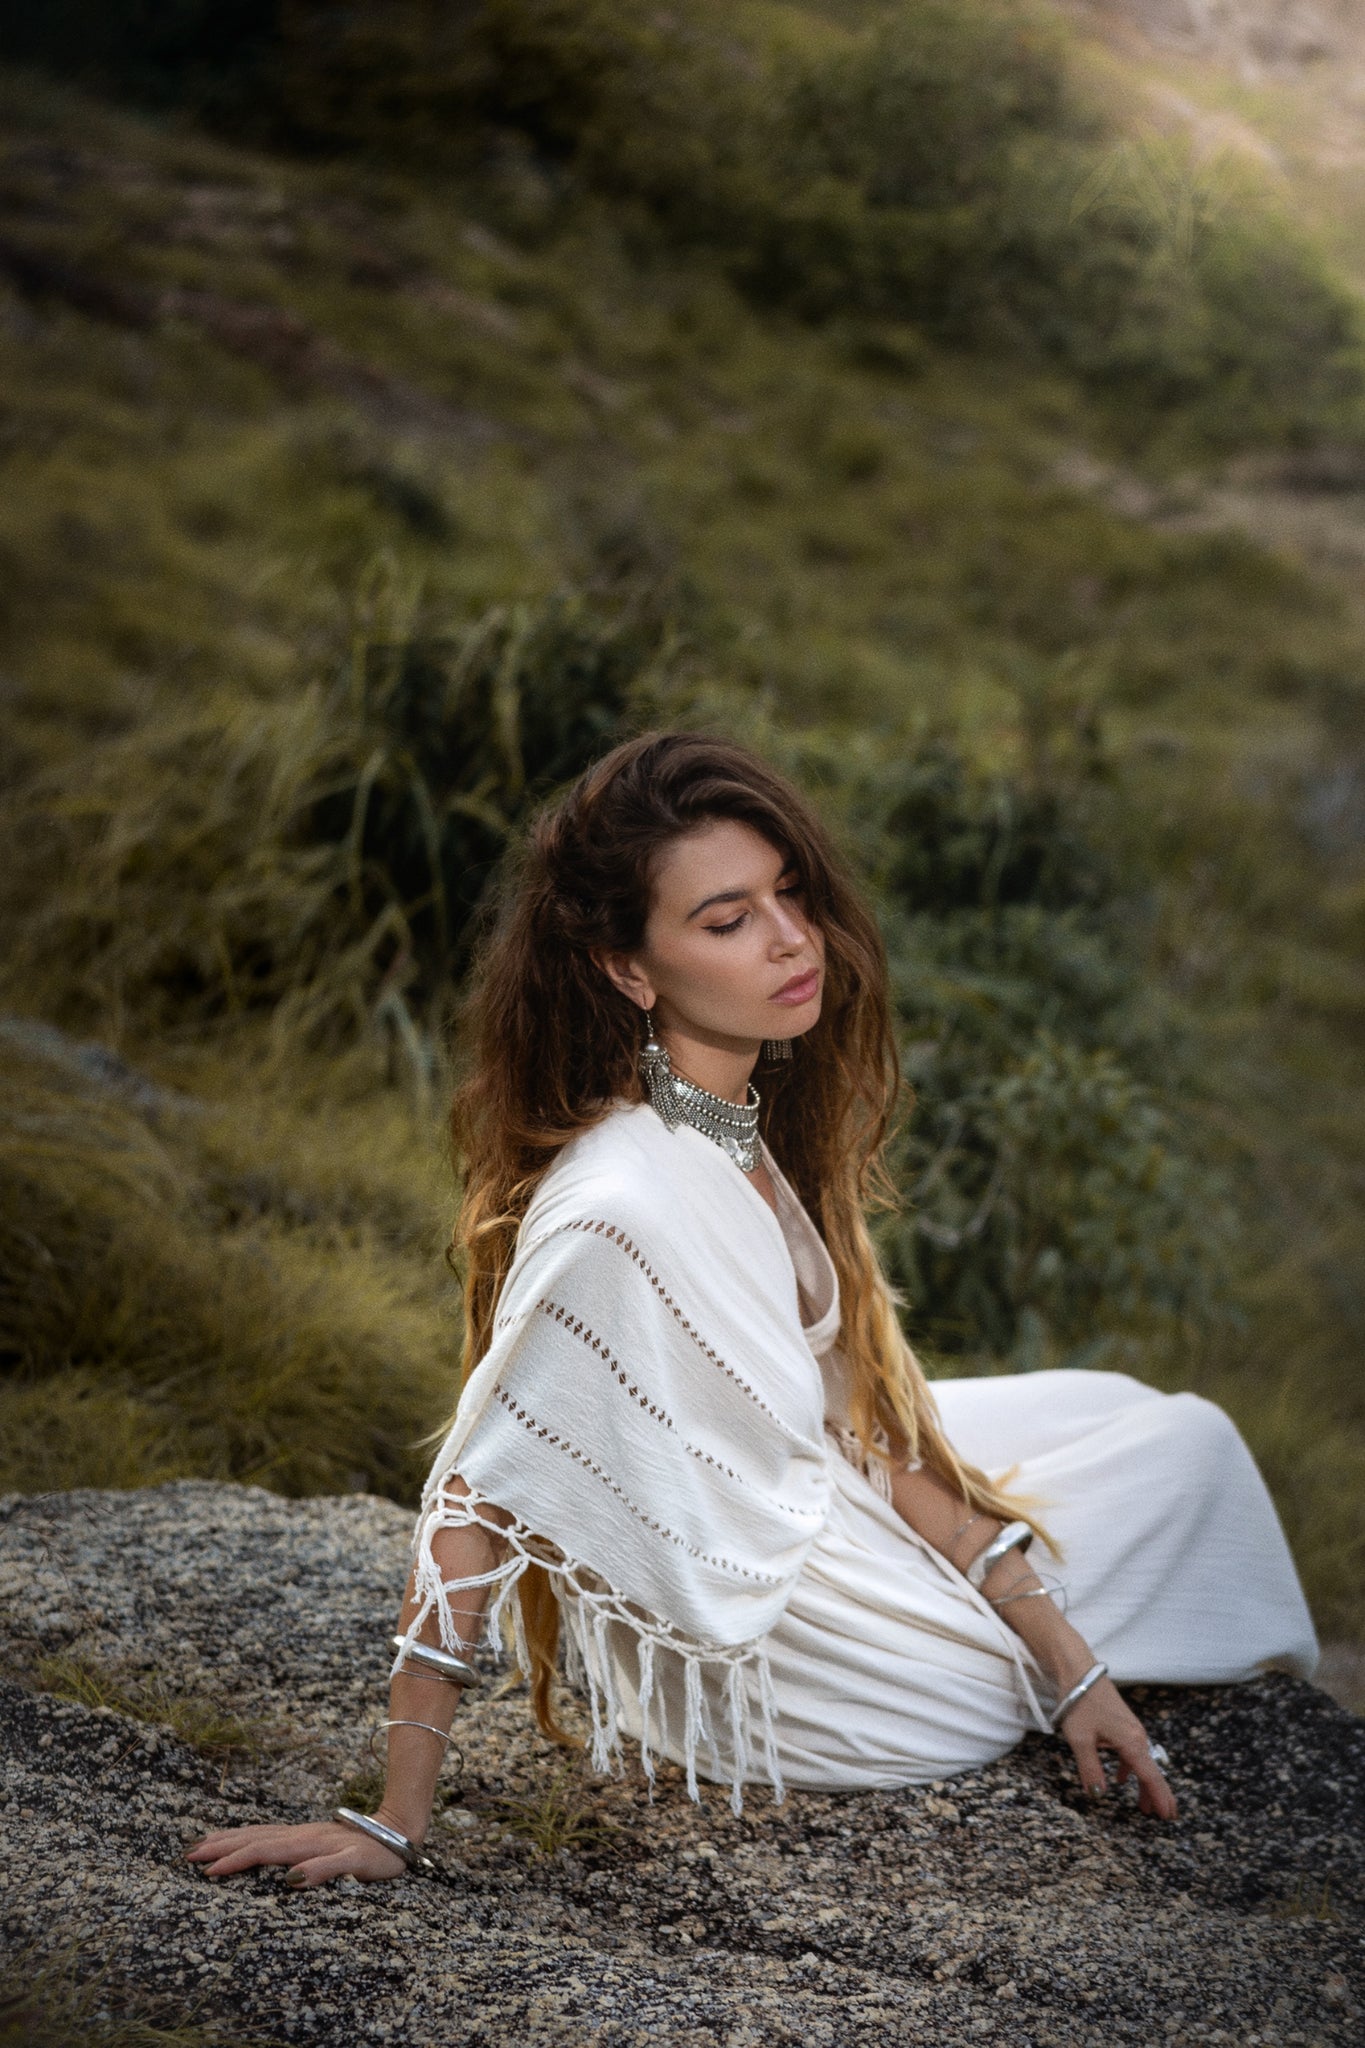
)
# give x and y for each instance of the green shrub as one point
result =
(318, 856)
(1059, 1201)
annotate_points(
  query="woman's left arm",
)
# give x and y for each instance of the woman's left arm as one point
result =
(1100, 1718)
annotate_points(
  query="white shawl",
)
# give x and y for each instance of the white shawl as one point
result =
(652, 1413)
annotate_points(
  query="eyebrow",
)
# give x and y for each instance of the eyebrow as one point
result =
(733, 895)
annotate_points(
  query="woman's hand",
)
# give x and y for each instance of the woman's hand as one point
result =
(314, 1853)
(1101, 1720)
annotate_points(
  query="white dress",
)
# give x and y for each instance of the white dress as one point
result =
(884, 1666)
(661, 1411)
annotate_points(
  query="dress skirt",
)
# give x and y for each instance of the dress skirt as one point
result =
(888, 1669)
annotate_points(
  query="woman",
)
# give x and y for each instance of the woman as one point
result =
(693, 1440)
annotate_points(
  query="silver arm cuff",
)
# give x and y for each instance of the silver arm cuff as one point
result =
(438, 1663)
(390, 1837)
(1014, 1534)
(1078, 1691)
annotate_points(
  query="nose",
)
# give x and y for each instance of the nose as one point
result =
(792, 929)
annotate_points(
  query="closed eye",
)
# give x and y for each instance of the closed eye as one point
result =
(796, 888)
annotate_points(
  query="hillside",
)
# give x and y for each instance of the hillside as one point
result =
(1038, 556)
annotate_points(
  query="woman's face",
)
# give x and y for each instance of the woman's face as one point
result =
(730, 956)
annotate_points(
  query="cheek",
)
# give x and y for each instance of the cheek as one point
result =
(708, 979)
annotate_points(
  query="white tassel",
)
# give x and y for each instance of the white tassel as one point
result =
(661, 1695)
(645, 1647)
(575, 1674)
(600, 1747)
(692, 1722)
(587, 1611)
(768, 1713)
(708, 1729)
(739, 1746)
(610, 1705)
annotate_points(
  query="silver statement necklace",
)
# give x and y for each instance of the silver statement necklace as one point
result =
(731, 1125)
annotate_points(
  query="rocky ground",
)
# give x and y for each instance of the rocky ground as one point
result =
(993, 1909)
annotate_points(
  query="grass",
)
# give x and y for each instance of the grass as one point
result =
(239, 1294)
(1311, 1899)
(69, 1998)
(199, 1720)
(853, 534)
(562, 1816)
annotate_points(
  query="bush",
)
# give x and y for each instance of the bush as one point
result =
(1059, 1203)
(317, 858)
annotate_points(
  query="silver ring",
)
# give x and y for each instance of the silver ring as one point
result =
(1158, 1755)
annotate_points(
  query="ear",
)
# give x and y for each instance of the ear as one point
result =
(622, 970)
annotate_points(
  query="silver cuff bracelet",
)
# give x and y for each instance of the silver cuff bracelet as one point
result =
(390, 1838)
(1078, 1691)
(1013, 1534)
(438, 1663)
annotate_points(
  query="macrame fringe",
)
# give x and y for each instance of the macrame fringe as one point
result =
(588, 1610)
(875, 1465)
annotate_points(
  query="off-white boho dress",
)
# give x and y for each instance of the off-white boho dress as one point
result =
(885, 1669)
(662, 1405)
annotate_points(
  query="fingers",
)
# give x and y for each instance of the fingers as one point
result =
(1085, 1749)
(229, 1850)
(226, 1860)
(313, 1854)
(1154, 1794)
(319, 1869)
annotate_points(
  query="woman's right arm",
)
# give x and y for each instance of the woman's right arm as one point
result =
(318, 1851)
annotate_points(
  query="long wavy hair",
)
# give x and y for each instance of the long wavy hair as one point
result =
(552, 1044)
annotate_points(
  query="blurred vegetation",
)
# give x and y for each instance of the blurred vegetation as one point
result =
(401, 403)
(916, 163)
(68, 1997)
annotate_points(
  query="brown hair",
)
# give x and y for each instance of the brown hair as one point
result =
(554, 1043)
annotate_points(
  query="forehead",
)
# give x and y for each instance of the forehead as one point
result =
(722, 854)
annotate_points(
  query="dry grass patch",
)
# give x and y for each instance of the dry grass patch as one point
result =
(69, 1999)
(196, 1717)
(177, 1315)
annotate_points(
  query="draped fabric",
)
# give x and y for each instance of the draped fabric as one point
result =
(663, 1412)
(652, 1414)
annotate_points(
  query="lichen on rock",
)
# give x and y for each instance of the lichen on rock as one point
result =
(997, 1907)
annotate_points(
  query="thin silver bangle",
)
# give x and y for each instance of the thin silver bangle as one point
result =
(389, 1837)
(429, 1726)
(1078, 1691)
(1033, 1593)
(963, 1526)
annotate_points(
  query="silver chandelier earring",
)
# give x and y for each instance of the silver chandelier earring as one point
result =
(656, 1069)
(777, 1048)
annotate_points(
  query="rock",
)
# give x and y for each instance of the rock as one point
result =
(998, 1907)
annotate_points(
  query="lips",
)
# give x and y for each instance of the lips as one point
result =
(801, 989)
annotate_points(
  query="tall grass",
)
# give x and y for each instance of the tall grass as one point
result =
(163, 1314)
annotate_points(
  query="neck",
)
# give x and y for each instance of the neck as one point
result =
(722, 1069)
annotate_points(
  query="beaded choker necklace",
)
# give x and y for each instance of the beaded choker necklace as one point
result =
(731, 1125)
